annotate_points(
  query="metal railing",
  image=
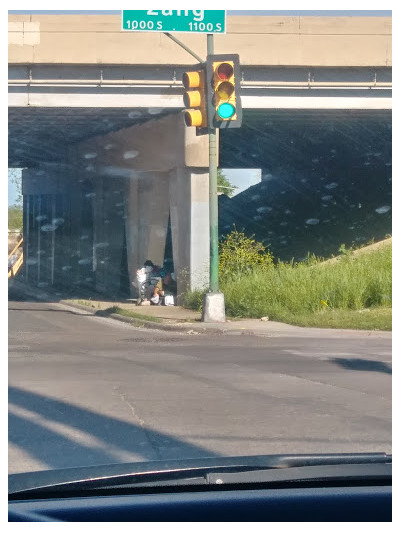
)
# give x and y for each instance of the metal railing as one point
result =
(14, 268)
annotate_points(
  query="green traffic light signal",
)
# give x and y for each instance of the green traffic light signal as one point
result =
(226, 111)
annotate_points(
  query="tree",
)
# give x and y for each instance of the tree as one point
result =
(224, 186)
(15, 211)
(14, 176)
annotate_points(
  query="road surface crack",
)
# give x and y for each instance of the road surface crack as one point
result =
(142, 424)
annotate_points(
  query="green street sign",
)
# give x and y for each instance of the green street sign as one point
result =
(174, 20)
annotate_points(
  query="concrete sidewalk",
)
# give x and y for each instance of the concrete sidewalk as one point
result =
(187, 321)
(175, 318)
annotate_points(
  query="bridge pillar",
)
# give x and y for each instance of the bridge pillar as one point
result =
(189, 209)
(146, 224)
(162, 167)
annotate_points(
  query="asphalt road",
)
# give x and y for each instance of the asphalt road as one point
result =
(87, 390)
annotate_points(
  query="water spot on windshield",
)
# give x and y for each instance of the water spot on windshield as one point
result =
(265, 209)
(41, 217)
(327, 197)
(383, 209)
(84, 261)
(312, 221)
(131, 154)
(90, 155)
(332, 185)
(134, 114)
(90, 195)
(48, 227)
(155, 110)
(116, 172)
(65, 268)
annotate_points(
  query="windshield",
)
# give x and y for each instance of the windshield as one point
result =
(199, 235)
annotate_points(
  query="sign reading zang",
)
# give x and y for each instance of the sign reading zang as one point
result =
(174, 20)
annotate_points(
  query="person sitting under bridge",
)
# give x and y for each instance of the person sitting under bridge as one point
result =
(149, 284)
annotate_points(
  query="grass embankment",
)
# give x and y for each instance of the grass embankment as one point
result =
(14, 217)
(352, 292)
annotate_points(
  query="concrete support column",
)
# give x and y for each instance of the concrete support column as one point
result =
(147, 207)
(190, 228)
(164, 165)
(99, 250)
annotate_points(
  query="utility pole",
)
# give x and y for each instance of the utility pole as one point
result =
(213, 301)
(212, 99)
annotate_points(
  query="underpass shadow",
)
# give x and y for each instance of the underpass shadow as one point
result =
(62, 435)
(363, 364)
(22, 292)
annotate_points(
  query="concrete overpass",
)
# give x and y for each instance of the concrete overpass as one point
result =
(91, 115)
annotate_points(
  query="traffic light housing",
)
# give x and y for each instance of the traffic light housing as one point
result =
(224, 107)
(194, 98)
(212, 94)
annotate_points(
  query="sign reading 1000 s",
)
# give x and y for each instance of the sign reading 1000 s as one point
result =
(174, 20)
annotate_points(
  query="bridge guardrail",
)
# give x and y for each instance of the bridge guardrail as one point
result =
(15, 261)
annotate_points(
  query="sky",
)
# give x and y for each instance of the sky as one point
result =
(12, 191)
(242, 178)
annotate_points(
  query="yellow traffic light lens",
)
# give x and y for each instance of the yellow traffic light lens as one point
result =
(224, 71)
(225, 90)
(192, 99)
(194, 117)
(192, 79)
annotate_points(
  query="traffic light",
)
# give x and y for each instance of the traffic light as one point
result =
(224, 107)
(195, 98)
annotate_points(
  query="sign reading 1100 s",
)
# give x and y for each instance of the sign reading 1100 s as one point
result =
(178, 20)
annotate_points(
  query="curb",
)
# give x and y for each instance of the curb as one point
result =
(187, 327)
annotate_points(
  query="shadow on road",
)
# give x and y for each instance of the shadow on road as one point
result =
(20, 292)
(363, 364)
(61, 435)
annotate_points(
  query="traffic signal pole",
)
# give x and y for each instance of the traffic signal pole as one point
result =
(213, 172)
(213, 301)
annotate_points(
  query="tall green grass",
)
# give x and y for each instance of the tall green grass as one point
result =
(352, 282)
(14, 217)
